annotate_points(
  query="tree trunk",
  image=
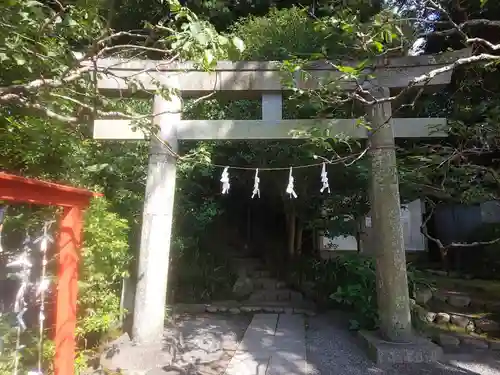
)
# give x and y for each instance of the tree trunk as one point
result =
(358, 235)
(249, 228)
(291, 228)
(298, 238)
(445, 261)
(315, 242)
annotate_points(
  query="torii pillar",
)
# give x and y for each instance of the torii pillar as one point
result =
(154, 257)
(392, 284)
(395, 341)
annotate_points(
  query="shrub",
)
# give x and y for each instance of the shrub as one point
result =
(105, 259)
(347, 281)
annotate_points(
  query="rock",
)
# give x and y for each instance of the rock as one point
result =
(458, 300)
(441, 296)
(486, 325)
(131, 359)
(280, 285)
(437, 272)
(211, 309)
(234, 310)
(423, 314)
(296, 296)
(192, 308)
(282, 295)
(459, 320)
(243, 287)
(470, 327)
(447, 340)
(477, 343)
(430, 316)
(298, 310)
(412, 302)
(492, 306)
(274, 309)
(495, 345)
(422, 296)
(250, 309)
(442, 318)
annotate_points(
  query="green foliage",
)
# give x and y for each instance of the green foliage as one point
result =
(347, 281)
(50, 77)
(105, 260)
(199, 273)
(28, 356)
(282, 34)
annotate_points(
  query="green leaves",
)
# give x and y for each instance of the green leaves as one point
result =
(97, 167)
(208, 57)
(238, 43)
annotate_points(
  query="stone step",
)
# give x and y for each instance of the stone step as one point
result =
(244, 307)
(267, 283)
(276, 295)
(258, 273)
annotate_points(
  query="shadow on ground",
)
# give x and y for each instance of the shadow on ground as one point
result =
(333, 350)
(203, 344)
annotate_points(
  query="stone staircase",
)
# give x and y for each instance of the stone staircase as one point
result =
(258, 286)
(255, 291)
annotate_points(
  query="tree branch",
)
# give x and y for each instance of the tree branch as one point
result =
(445, 248)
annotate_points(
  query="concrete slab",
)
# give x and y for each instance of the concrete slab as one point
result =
(289, 355)
(245, 363)
(385, 353)
(259, 336)
(254, 351)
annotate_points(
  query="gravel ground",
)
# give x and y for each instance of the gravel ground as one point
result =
(333, 350)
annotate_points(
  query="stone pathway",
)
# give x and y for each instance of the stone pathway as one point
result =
(272, 345)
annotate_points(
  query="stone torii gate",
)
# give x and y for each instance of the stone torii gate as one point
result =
(248, 80)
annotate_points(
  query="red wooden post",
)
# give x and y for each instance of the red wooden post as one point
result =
(69, 242)
(19, 189)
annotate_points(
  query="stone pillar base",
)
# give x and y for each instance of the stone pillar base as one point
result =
(385, 353)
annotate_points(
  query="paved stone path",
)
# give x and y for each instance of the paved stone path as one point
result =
(272, 345)
(280, 344)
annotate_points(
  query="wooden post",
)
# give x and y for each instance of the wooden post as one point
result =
(392, 284)
(69, 242)
(152, 277)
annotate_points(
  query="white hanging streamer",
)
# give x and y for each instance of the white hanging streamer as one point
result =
(324, 179)
(290, 188)
(225, 181)
(43, 286)
(256, 189)
(20, 305)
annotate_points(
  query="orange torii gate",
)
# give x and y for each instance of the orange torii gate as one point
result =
(73, 201)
